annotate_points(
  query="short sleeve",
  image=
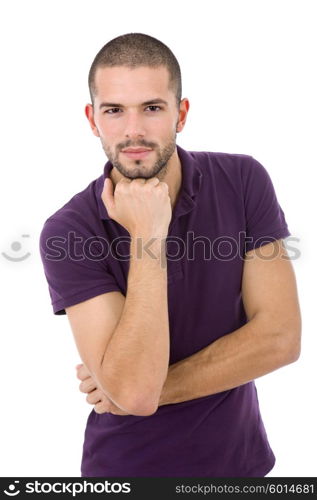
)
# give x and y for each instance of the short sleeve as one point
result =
(73, 267)
(264, 217)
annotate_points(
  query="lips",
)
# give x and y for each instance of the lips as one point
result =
(135, 150)
(136, 153)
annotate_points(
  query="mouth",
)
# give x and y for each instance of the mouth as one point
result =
(137, 152)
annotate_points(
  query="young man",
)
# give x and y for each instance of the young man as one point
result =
(172, 271)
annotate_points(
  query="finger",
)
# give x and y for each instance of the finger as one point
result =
(77, 367)
(83, 372)
(138, 182)
(153, 181)
(164, 185)
(102, 407)
(107, 194)
(94, 397)
(87, 385)
(125, 180)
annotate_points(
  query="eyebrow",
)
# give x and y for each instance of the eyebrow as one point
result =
(157, 100)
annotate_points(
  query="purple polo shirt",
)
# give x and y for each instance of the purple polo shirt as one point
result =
(226, 206)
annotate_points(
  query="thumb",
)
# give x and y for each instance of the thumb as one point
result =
(107, 194)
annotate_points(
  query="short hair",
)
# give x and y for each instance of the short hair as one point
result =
(134, 50)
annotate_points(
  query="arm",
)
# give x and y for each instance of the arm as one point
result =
(142, 320)
(269, 340)
(126, 348)
(112, 332)
(135, 363)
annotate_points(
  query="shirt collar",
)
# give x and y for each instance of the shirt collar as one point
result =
(190, 186)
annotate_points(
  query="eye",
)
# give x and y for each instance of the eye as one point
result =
(152, 106)
(114, 111)
(110, 111)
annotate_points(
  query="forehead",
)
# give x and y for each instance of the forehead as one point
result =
(122, 81)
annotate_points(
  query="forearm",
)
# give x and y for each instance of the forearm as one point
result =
(135, 363)
(232, 360)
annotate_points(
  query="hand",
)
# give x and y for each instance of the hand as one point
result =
(142, 207)
(95, 395)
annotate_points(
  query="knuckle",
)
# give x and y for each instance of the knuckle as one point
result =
(121, 186)
(135, 185)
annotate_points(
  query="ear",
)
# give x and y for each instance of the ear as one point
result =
(182, 114)
(89, 112)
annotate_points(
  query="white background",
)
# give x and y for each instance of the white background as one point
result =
(248, 71)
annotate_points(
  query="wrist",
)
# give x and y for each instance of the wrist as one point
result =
(148, 247)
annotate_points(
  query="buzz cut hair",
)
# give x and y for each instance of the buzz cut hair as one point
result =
(134, 50)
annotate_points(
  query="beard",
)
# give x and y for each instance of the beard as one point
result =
(136, 170)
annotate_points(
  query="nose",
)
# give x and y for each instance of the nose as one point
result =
(134, 126)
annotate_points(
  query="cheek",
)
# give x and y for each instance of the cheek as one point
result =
(106, 127)
(162, 128)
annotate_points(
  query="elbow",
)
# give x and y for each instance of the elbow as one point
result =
(291, 346)
(137, 407)
(144, 402)
(143, 410)
(141, 403)
(295, 354)
(290, 356)
(132, 403)
(295, 342)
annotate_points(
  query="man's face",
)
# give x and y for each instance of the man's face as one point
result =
(127, 114)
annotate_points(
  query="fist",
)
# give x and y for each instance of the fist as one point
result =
(142, 207)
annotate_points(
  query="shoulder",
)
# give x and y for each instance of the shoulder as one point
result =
(225, 172)
(214, 161)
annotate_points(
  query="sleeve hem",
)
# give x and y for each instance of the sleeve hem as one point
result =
(267, 237)
(59, 305)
